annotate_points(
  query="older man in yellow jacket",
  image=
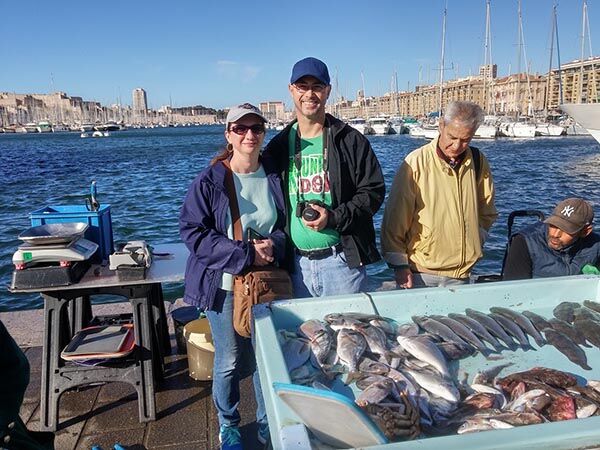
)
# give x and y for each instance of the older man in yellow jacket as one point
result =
(441, 206)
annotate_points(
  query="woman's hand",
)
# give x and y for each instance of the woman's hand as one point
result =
(263, 252)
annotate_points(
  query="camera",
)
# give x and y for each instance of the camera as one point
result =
(305, 210)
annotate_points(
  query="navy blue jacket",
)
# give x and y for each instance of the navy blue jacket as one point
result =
(203, 229)
(547, 262)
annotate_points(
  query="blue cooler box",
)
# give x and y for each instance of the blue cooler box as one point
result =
(100, 224)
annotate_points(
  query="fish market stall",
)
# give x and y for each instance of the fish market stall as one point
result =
(327, 408)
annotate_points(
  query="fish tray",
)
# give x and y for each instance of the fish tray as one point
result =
(539, 296)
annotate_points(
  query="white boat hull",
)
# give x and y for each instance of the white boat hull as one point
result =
(587, 115)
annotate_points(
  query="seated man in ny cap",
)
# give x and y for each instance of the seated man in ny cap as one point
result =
(560, 245)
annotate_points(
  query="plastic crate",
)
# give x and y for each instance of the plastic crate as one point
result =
(100, 224)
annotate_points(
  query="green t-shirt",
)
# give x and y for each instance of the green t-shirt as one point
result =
(314, 185)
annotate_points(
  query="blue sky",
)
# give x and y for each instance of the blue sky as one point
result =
(223, 53)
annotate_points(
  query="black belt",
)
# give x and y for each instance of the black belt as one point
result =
(321, 253)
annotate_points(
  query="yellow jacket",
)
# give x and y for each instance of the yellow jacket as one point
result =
(436, 218)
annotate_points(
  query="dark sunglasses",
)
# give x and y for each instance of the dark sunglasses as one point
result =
(243, 129)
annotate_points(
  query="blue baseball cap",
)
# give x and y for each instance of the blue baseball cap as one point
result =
(310, 67)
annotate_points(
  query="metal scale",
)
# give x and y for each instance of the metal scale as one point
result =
(52, 255)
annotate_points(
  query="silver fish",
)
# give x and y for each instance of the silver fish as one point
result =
(492, 326)
(426, 351)
(478, 329)
(523, 322)
(464, 332)
(376, 392)
(482, 424)
(350, 347)
(408, 329)
(435, 385)
(376, 340)
(567, 347)
(439, 329)
(320, 338)
(513, 330)
(586, 313)
(529, 398)
(487, 376)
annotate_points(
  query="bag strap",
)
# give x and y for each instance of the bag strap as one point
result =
(476, 162)
(233, 203)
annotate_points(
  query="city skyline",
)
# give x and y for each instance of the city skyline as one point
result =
(217, 55)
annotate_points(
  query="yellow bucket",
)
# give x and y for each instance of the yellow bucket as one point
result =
(200, 349)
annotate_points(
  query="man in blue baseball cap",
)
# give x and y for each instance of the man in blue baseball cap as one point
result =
(334, 186)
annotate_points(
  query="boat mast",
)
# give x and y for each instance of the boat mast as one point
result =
(583, 17)
(441, 92)
(487, 58)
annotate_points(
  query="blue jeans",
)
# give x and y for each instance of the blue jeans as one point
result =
(231, 353)
(327, 276)
(421, 279)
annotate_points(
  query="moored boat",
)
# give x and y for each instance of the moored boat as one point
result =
(585, 114)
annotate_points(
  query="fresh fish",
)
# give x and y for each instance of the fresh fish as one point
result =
(439, 329)
(523, 322)
(562, 408)
(481, 400)
(426, 351)
(453, 352)
(350, 317)
(587, 313)
(408, 329)
(376, 340)
(544, 375)
(519, 418)
(586, 411)
(376, 392)
(478, 329)
(319, 337)
(464, 332)
(586, 391)
(535, 399)
(594, 384)
(569, 330)
(567, 347)
(492, 326)
(482, 424)
(295, 353)
(350, 347)
(488, 376)
(538, 321)
(366, 381)
(513, 330)
(485, 389)
(386, 325)
(595, 306)
(566, 311)
(435, 385)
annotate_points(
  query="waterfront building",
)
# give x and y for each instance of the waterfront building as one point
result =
(580, 82)
(140, 105)
(274, 111)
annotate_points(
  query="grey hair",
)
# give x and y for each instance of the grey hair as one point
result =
(466, 113)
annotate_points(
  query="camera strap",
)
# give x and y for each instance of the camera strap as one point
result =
(298, 158)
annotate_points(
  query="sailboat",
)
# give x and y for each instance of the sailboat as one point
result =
(585, 114)
(489, 128)
(519, 128)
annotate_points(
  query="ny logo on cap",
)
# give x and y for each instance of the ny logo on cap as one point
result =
(567, 211)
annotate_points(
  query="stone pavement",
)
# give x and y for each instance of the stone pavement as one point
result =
(106, 414)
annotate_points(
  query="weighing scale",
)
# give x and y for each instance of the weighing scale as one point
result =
(52, 255)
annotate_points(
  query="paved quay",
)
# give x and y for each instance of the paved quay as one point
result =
(106, 414)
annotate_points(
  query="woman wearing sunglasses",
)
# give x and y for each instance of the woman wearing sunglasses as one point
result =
(206, 228)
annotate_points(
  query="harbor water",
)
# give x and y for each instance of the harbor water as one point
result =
(144, 174)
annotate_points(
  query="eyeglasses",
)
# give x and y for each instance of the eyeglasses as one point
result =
(302, 88)
(243, 129)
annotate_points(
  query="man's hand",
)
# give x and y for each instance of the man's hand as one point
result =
(263, 252)
(321, 222)
(404, 278)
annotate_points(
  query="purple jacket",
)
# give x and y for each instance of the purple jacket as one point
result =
(202, 227)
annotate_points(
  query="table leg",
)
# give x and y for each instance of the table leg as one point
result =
(142, 320)
(56, 336)
(80, 313)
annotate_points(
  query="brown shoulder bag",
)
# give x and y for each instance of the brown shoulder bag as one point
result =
(257, 284)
